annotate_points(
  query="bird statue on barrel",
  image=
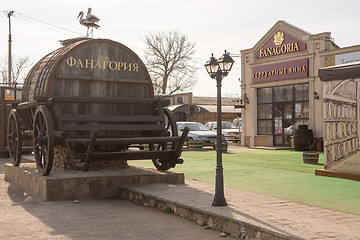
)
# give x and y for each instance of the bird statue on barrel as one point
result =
(89, 21)
(90, 17)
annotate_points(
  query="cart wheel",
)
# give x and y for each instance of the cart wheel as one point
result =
(171, 126)
(14, 138)
(171, 122)
(158, 163)
(43, 140)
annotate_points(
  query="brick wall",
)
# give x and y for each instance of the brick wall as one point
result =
(329, 61)
(247, 141)
(259, 140)
(262, 140)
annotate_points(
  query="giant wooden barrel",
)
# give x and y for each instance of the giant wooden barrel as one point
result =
(90, 68)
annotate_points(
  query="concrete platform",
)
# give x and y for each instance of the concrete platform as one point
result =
(248, 215)
(337, 174)
(71, 185)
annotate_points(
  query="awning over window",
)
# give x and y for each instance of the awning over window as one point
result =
(178, 108)
(185, 107)
(203, 108)
(340, 72)
(224, 109)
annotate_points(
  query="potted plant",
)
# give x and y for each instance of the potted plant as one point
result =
(310, 156)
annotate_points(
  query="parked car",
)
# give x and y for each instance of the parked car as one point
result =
(229, 130)
(198, 133)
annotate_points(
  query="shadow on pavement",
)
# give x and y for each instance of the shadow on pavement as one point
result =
(2, 164)
(112, 218)
(230, 212)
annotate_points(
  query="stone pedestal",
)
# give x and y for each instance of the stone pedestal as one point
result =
(63, 162)
(71, 185)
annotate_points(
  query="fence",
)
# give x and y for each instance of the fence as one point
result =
(8, 95)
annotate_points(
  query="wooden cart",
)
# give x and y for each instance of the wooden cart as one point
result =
(94, 97)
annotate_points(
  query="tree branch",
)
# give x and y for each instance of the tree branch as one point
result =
(169, 58)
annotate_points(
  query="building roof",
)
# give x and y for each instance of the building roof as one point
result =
(203, 108)
(225, 101)
(224, 109)
(340, 72)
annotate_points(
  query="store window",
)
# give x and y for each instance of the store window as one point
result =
(283, 93)
(281, 109)
(265, 111)
(301, 104)
(264, 95)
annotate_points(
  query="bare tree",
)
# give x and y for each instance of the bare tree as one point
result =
(169, 58)
(17, 71)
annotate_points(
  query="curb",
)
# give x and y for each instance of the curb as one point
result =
(230, 226)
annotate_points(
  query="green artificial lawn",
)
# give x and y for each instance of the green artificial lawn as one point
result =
(278, 173)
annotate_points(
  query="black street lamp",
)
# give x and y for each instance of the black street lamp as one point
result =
(218, 69)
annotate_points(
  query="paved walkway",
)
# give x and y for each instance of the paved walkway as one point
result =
(294, 220)
(287, 219)
(23, 217)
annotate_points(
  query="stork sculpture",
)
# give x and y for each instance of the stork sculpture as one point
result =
(90, 17)
(89, 21)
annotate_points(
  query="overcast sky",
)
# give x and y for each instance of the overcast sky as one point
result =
(214, 26)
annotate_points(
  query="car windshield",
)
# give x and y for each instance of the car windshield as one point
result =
(228, 125)
(196, 127)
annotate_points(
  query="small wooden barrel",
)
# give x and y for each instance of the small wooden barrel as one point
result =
(224, 146)
(194, 144)
(310, 157)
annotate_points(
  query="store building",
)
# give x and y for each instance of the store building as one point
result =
(187, 107)
(279, 80)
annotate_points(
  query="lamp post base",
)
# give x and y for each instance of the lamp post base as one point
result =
(219, 201)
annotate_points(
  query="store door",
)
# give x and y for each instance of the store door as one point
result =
(283, 123)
